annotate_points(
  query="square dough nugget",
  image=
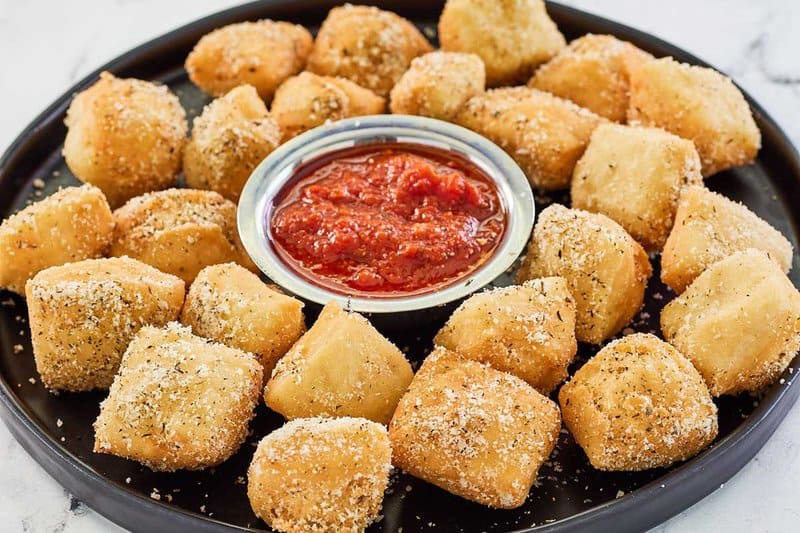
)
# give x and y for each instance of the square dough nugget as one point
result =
(709, 227)
(342, 366)
(544, 134)
(71, 225)
(698, 104)
(605, 268)
(638, 404)
(593, 71)
(474, 431)
(179, 231)
(634, 176)
(321, 474)
(178, 402)
(738, 322)
(527, 330)
(229, 304)
(83, 315)
(512, 37)
(437, 85)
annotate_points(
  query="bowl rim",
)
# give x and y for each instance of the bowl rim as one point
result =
(277, 169)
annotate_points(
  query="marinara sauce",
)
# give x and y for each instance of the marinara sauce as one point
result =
(386, 219)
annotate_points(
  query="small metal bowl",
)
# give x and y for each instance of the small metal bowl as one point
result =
(270, 177)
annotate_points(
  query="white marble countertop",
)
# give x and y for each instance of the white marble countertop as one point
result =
(46, 46)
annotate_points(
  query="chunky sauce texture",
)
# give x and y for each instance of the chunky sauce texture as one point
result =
(387, 219)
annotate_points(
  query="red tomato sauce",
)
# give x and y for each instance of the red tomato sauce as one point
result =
(385, 219)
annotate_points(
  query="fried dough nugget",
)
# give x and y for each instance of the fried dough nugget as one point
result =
(178, 402)
(593, 71)
(366, 45)
(438, 84)
(232, 136)
(709, 227)
(84, 314)
(474, 431)
(512, 37)
(179, 231)
(698, 104)
(527, 330)
(738, 322)
(605, 268)
(638, 404)
(307, 100)
(71, 225)
(634, 175)
(262, 54)
(545, 135)
(320, 474)
(342, 366)
(229, 304)
(125, 136)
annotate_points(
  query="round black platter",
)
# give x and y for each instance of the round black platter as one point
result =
(569, 494)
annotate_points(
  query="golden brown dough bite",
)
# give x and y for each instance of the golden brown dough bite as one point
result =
(738, 322)
(307, 100)
(545, 135)
(527, 330)
(474, 431)
(71, 225)
(698, 104)
(125, 136)
(512, 37)
(178, 402)
(634, 176)
(229, 304)
(593, 71)
(366, 45)
(605, 268)
(262, 54)
(179, 231)
(320, 474)
(438, 84)
(638, 404)
(342, 366)
(709, 227)
(83, 315)
(232, 136)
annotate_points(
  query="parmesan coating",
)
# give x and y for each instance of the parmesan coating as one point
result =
(178, 402)
(229, 304)
(232, 136)
(634, 175)
(512, 37)
(262, 54)
(527, 330)
(438, 84)
(605, 268)
(320, 475)
(71, 225)
(709, 227)
(342, 366)
(307, 100)
(594, 72)
(698, 104)
(366, 45)
(474, 431)
(83, 315)
(545, 135)
(179, 231)
(125, 136)
(738, 322)
(638, 404)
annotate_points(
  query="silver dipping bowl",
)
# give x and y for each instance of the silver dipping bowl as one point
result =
(387, 312)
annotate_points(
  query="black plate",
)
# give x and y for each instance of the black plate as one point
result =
(570, 495)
